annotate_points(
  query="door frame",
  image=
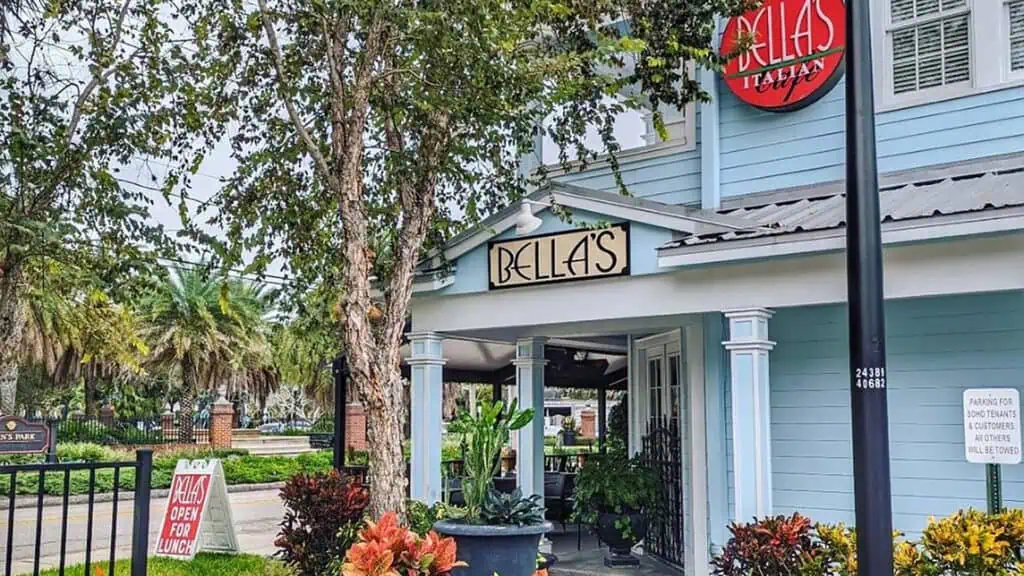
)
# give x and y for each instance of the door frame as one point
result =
(688, 341)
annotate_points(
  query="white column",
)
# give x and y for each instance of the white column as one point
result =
(749, 350)
(530, 364)
(427, 367)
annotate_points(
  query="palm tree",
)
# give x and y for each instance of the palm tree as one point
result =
(188, 330)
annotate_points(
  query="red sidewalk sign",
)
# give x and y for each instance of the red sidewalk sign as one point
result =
(198, 514)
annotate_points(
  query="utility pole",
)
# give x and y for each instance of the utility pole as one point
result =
(868, 378)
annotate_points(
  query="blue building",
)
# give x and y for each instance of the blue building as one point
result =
(725, 289)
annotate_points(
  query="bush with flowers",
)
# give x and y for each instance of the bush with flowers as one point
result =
(387, 548)
(967, 543)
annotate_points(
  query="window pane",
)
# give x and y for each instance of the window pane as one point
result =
(1017, 35)
(926, 7)
(933, 54)
(956, 45)
(953, 4)
(904, 66)
(929, 54)
(673, 386)
(902, 10)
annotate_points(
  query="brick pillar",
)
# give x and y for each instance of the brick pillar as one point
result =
(588, 423)
(355, 427)
(107, 416)
(221, 419)
(167, 428)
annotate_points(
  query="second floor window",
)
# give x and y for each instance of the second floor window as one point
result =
(931, 50)
(1015, 20)
(929, 44)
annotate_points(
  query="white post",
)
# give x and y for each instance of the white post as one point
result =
(530, 364)
(749, 350)
(427, 368)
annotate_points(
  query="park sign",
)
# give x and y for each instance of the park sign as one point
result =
(797, 53)
(583, 254)
(992, 425)
(19, 436)
(198, 514)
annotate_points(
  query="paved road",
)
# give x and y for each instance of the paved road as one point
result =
(256, 516)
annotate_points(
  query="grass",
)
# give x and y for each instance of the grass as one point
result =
(201, 565)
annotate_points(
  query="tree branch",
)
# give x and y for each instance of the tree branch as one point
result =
(275, 51)
(101, 76)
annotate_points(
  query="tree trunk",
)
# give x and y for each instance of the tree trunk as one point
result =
(186, 410)
(450, 402)
(91, 395)
(8, 387)
(388, 476)
(12, 325)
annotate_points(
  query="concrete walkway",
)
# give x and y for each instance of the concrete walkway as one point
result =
(257, 516)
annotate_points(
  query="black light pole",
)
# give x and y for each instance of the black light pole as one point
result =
(872, 492)
(340, 372)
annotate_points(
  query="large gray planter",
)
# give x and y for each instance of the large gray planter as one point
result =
(506, 550)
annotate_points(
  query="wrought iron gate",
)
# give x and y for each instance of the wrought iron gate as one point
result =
(35, 476)
(662, 455)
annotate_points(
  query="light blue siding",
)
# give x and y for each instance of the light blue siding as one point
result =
(471, 267)
(764, 151)
(936, 348)
(672, 178)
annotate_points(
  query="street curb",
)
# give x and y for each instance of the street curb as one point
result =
(28, 501)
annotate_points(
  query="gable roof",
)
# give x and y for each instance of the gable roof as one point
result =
(682, 219)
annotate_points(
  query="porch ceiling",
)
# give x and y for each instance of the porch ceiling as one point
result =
(489, 362)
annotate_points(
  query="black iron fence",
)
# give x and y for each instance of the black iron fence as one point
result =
(20, 477)
(118, 431)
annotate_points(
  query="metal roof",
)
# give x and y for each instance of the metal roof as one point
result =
(959, 192)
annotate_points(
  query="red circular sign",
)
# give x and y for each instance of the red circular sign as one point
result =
(797, 56)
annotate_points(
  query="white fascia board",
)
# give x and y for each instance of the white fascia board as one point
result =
(832, 240)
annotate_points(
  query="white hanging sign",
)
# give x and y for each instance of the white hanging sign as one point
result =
(992, 425)
(198, 514)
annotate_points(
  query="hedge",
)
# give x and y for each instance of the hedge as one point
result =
(239, 468)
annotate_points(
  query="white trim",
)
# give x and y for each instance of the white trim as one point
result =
(834, 239)
(693, 222)
(698, 510)
(969, 265)
(1009, 75)
(434, 284)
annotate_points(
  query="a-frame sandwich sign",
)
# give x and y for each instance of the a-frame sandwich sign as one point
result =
(198, 514)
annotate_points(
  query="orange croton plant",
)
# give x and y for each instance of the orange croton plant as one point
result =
(386, 548)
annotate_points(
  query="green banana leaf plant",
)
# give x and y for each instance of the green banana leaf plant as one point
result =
(485, 434)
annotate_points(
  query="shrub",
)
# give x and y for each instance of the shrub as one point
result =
(386, 547)
(968, 542)
(778, 546)
(612, 482)
(322, 512)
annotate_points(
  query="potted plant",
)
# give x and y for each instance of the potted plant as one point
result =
(501, 532)
(613, 492)
(569, 432)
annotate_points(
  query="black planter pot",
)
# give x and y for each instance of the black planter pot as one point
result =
(620, 549)
(506, 550)
(568, 438)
